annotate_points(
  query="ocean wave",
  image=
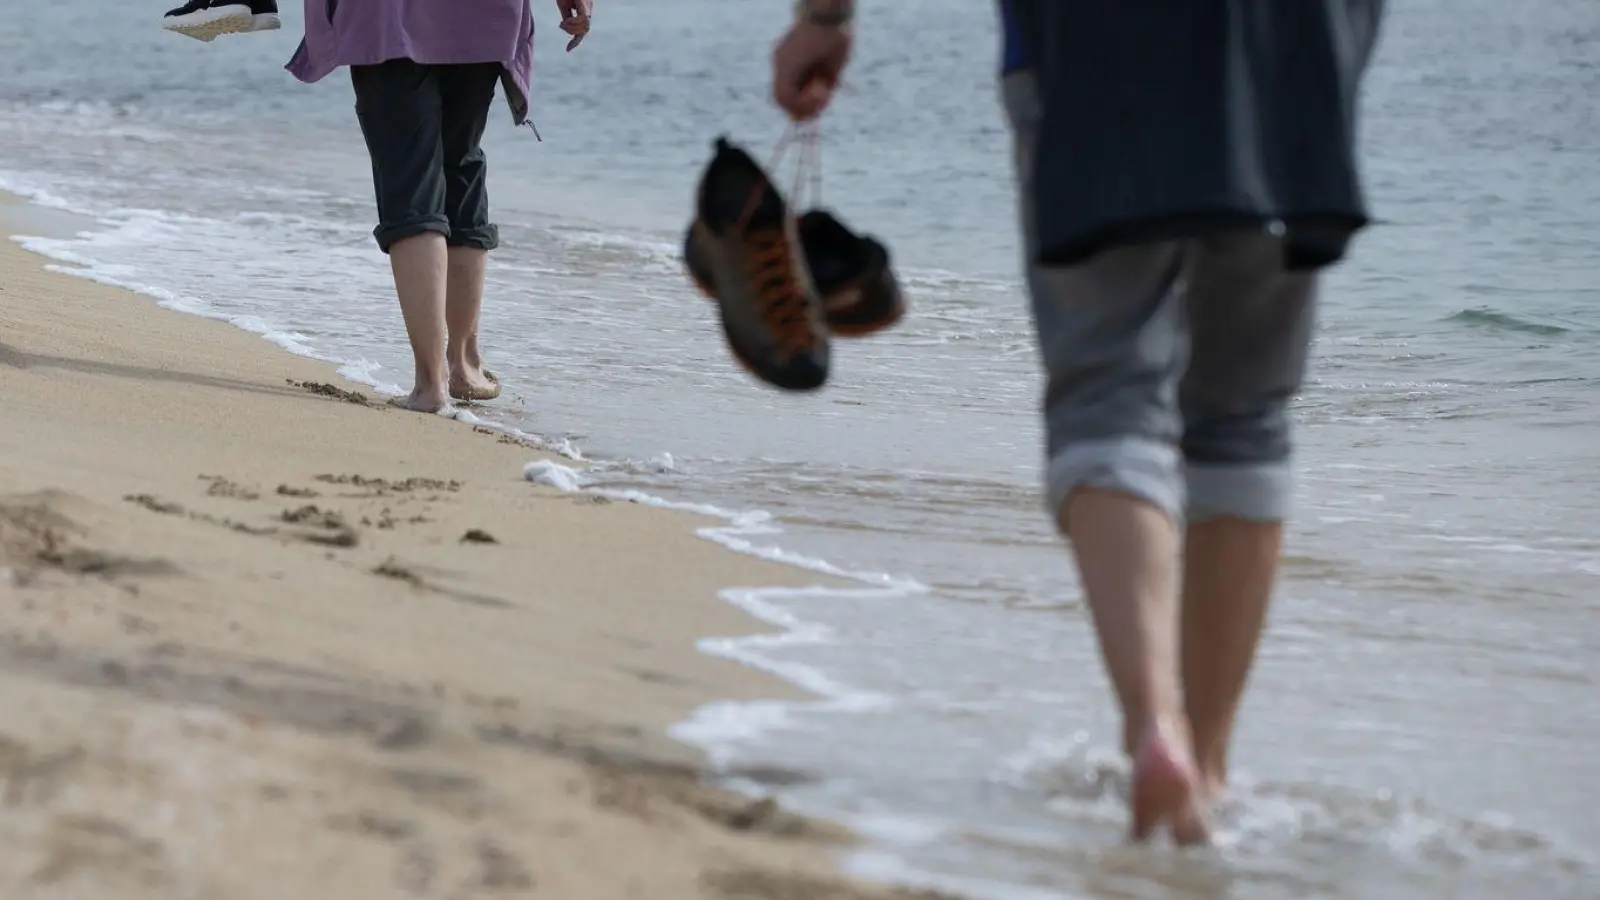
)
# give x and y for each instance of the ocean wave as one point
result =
(1495, 320)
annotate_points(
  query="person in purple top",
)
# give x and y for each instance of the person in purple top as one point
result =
(425, 73)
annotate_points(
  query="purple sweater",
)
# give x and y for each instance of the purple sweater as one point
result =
(436, 32)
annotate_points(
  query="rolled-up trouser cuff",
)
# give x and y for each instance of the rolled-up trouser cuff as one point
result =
(483, 237)
(1143, 468)
(1258, 492)
(391, 233)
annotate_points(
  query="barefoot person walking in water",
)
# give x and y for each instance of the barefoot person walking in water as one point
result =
(1184, 170)
(425, 73)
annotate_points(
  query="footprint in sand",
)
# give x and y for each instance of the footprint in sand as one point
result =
(378, 487)
(327, 527)
(36, 533)
(222, 487)
(332, 392)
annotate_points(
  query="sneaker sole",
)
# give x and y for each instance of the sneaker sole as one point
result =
(208, 24)
(266, 22)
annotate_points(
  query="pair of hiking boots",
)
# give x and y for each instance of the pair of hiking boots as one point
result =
(784, 285)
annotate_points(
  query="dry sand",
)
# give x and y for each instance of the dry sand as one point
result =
(247, 650)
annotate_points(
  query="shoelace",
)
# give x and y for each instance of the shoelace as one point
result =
(784, 305)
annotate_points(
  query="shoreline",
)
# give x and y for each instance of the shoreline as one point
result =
(264, 630)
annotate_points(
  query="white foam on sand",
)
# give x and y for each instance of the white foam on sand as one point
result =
(40, 196)
(724, 730)
(79, 266)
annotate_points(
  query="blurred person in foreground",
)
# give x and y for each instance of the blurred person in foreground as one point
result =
(1184, 172)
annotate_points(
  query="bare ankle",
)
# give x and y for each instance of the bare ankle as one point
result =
(428, 382)
(1213, 763)
(1172, 727)
(463, 373)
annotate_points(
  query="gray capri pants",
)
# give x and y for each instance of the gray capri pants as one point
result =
(1170, 364)
(423, 125)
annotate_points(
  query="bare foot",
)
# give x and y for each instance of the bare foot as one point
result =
(423, 401)
(473, 383)
(1166, 790)
(1193, 826)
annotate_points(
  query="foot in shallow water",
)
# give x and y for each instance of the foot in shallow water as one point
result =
(474, 383)
(423, 400)
(1166, 791)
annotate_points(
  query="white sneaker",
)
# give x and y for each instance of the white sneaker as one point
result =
(205, 20)
(264, 15)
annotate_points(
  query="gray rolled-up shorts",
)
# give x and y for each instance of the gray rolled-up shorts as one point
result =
(423, 125)
(1170, 364)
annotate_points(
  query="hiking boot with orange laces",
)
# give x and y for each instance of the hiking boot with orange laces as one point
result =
(851, 272)
(745, 258)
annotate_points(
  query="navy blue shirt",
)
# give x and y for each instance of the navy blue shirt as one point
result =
(1014, 55)
(1164, 120)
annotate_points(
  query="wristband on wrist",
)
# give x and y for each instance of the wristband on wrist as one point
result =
(825, 15)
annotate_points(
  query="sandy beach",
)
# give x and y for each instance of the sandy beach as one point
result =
(265, 637)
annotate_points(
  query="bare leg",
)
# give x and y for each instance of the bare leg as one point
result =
(464, 303)
(1127, 553)
(1230, 565)
(1250, 327)
(419, 281)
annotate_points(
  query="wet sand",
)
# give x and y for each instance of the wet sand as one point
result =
(266, 637)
